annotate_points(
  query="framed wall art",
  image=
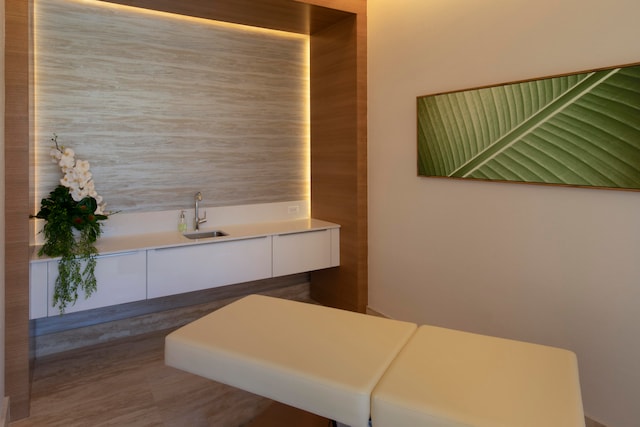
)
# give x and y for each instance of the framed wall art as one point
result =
(579, 129)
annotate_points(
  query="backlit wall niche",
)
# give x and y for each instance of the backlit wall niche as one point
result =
(164, 106)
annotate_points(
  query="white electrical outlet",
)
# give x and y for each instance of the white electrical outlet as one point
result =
(293, 209)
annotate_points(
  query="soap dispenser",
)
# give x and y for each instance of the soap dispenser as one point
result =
(182, 223)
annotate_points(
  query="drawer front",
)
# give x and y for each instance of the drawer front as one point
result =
(121, 278)
(300, 252)
(176, 270)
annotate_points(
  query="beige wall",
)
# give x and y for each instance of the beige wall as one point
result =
(164, 106)
(552, 265)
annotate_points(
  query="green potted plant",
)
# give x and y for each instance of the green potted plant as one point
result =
(72, 214)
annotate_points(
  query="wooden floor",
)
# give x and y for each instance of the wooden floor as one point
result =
(127, 384)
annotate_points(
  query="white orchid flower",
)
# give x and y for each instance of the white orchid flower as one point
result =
(66, 161)
(77, 195)
(76, 176)
(82, 165)
(55, 155)
(66, 181)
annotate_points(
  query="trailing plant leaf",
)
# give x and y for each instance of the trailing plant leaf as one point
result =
(67, 283)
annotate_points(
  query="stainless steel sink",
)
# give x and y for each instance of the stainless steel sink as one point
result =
(205, 234)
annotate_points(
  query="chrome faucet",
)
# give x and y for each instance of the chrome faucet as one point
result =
(197, 220)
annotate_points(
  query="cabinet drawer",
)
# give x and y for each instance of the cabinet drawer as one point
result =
(299, 252)
(121, 278)
(190, 268)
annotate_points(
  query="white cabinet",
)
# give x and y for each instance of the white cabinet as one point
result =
(305, 251)
(151, 273)
(38, 300)
(121, 278)
(190, 268)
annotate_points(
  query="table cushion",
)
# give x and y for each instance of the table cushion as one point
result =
(319, 359)
(449, 378)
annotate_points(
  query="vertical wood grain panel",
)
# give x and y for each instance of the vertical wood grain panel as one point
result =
(338, 157)
(16, 205)
(164, 106)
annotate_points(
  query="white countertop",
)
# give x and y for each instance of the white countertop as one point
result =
(108, 245)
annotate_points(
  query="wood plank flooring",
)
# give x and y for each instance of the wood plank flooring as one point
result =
(126, 383)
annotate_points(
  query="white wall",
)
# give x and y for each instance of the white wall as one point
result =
(553, 265)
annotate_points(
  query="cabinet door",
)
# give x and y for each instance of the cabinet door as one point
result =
(38, 299)
(121, 278)
(299, 252)
(190, 268)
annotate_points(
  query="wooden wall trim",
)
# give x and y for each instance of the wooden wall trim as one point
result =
(339, 157)
(16, 201)
(300, 17)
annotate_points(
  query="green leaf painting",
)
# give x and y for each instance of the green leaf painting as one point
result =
(581, 129)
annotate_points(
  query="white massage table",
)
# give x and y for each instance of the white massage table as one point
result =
(350, 367)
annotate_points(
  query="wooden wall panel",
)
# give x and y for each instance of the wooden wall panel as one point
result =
(16, 206)
(338, 157)
(284, 15)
